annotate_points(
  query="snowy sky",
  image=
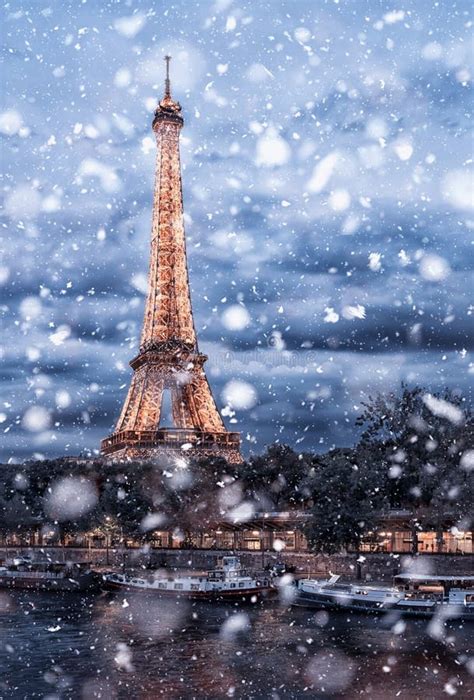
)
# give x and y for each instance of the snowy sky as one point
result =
(328, 194)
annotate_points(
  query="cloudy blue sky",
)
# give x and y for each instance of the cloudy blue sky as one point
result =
(328, 193)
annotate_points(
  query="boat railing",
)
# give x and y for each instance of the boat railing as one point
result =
(419, 595)
(254, 573)
(35, 574)
(338, 587)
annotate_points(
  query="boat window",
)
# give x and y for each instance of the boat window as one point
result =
(232, 585)
(431, 588)
(241, 584)
(178, 586)
(216, 575)
(162, 585)
(194, 587)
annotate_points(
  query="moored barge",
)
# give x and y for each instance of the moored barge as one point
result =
(228, 581)
(415, 595)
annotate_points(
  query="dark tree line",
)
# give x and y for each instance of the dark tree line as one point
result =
(137, 497)
(410, 456)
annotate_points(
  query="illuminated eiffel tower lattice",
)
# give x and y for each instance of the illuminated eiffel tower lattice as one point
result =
(169, 367)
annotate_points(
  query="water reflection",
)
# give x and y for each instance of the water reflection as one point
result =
(122, 646)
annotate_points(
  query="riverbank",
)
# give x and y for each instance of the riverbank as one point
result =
(369, 567)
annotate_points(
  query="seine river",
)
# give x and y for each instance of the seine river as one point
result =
(56, 646)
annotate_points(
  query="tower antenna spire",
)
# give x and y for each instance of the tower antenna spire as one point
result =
(167, 81)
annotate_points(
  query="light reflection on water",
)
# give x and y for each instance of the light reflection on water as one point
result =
(120, 646)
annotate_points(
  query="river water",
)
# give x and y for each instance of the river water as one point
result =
(59, 646)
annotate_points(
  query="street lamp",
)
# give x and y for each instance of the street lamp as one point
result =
(108, 528)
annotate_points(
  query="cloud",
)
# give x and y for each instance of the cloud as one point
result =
(130, 26)
(359, 283)
(90, 167)
(11, 122)
(457, 188)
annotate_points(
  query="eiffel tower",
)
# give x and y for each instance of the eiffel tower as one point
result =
(169, 362)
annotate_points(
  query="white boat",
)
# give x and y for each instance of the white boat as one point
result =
(411, 594)
(228, 581)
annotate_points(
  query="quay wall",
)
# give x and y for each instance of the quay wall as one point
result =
(369, 567)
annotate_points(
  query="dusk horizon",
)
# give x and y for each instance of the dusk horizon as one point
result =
(327, 227)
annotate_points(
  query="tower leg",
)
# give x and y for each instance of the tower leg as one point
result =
(143, 405)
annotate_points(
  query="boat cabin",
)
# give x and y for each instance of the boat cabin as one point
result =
(227, 568)
(432, 586)
(228, 563)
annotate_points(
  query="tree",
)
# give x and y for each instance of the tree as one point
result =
(126, 495)
(190, 495)
(347, 494)
(276, 479)
(419, 438)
